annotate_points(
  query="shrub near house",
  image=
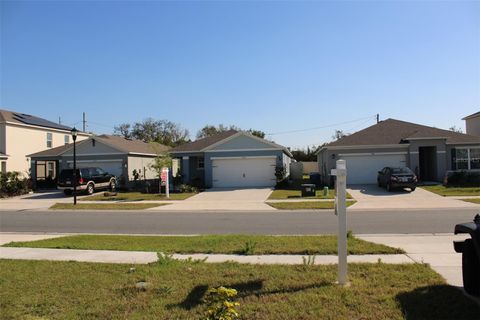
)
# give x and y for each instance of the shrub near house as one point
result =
(12, 185)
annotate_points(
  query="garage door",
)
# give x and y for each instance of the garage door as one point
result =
(113, 167)
(243, 172)
(364, 169)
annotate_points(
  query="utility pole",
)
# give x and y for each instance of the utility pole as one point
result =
(59, 120)
(84, 122)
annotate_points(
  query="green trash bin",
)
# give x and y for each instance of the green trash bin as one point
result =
(308, 190)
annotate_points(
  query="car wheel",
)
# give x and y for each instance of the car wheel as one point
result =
(412, 189)
(470, 269)
(112, 186)
(67, 192)
(389, 187)
(90, 189)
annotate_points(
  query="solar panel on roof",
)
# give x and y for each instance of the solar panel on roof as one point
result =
(35, 121)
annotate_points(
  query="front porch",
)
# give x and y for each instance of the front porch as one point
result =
(192, 169)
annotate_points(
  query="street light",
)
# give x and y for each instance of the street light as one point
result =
(74, 133)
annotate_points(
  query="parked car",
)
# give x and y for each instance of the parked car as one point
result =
(397, 177)
(88, 180)
(470, 249)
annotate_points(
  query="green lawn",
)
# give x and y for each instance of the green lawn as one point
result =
(453, 191)
(280, 194)
(230, 244)
(305, 205)
(138, 196)
(105, 206)
(175, 290)
(477, 200)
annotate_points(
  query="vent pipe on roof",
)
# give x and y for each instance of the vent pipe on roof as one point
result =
(378, 117)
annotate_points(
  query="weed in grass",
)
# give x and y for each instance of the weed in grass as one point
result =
(309, 260)
(163, 290)
(349, 234)
(250, 247)
(221, 304)
(165, 259)
(195, 261)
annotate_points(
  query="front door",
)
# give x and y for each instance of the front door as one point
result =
(427, 163)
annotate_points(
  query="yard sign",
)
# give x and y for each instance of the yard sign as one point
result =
(164, 177)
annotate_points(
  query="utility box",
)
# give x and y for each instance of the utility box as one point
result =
(308, 190)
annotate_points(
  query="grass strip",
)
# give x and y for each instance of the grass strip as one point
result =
(306, 205)
(105, 206)
(453, 191)
(228, 244)
(176, 290)
(474, 200)
(138, 196)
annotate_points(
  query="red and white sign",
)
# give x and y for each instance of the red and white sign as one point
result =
(164, 181)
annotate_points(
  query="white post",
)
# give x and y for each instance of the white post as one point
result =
(167, 185)
(341, 211)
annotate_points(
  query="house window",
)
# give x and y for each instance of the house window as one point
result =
(49, 140)
(51, 170)
(475, 158)
(200, 163)
(467, 159)
(4, 166)
(66, 139)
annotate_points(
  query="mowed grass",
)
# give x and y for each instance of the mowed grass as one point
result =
(453, 191)
(175, 290)
(138, 196)
(280, 194)
(475, 200)
(105, 206)
(306, 205)
(229, 244)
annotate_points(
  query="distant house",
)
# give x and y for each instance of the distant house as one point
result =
(232, 159)
(472, 124)
(22, 134)
(429, 151)
(114, 154)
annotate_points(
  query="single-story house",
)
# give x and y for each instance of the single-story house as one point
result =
(428, 151)
(114, 154)
(231, 159)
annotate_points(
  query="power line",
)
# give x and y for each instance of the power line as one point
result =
(320, 127)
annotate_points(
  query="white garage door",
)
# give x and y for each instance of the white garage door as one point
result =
(364, 169)
(113, 167)
(243, 172)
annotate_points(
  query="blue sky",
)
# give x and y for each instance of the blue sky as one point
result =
(273, 66)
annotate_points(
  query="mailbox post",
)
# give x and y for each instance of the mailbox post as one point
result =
(341, 211)
(165, 181)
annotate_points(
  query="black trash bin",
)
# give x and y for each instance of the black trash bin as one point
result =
(308, 190)
(315, 178)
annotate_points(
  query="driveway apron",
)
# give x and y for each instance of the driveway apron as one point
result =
(374, 197)
(221, 199)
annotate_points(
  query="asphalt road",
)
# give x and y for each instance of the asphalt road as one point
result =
(279, 222)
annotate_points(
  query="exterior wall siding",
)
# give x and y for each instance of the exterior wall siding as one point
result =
(473, 126)
(441, 149)
(141, 164)
(21, 141)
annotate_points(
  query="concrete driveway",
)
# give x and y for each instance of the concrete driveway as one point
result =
(34, 201)
(374, 197)
(224, 199)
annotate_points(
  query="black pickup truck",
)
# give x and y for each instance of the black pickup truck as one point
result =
(470, 249)
(88, 180)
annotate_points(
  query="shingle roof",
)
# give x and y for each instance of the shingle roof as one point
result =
(393, 131)
(18, 117)
(119, 143)
(201, 144)
(476, 114)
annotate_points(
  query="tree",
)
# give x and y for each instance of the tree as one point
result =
(123, 130)
(455, 129)
(210, 130)
(149, 130)
(339, 134)
(305, 154)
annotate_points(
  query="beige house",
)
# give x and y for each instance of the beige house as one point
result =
(22, 134)
(472, 124)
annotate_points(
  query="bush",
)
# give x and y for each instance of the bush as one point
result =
(12, 185)
(462, 179)
(186, 188)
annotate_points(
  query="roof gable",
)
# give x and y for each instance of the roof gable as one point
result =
(244, 141)
(391, 131)
(200, 144)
